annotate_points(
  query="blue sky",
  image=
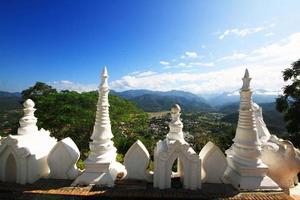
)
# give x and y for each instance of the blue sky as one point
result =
(197, 46)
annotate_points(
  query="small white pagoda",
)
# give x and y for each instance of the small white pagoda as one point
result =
(173, 148)
(101, 167)
(23, 157)
(245, 169)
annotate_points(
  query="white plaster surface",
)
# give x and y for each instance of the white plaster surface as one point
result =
(245, 169)
(262, 130)
(214, 164)
(23, 157)
(101, 167)
(283, 161)
(282, 158)
(62, 160)
(136, 162)
(172, 148)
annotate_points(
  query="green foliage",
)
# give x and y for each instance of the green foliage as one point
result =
(80, 164)
(38, 90)
(120, 158)
(289, 102)
(72, 114)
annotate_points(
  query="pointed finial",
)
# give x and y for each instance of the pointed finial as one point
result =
(246, 75)
(104, 83)
(104, 72)
(246, 81)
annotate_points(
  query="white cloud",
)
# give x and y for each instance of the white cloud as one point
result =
(245, 31)
(209, 82)
(234, 56)
(181, 64)
(283, 52)
(69, 85)
(265, 65)
(269, 34)
(200, 64)
(165, 63)
(192, 65)
(147, 73)
(191, 54)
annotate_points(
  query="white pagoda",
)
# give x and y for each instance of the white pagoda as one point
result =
(245, 169)
(23, 157)
(101, 167)
(174, 148)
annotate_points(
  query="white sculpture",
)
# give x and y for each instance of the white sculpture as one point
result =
(172, 148)
(245, 169)
(62, 160)
(175, 125)
(280, 155)
(136, 162)
(23, 157)
(262, 130)
(214, 164)
(101, 167)
(283, 161)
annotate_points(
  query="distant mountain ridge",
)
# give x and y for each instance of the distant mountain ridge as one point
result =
(226, 98)
(274, 119)
(10, 101)
(153, 101)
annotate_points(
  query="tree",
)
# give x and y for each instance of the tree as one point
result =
(72, 114)
(39, 89)
(289, 102)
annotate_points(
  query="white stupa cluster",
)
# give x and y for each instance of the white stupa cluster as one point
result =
(256, 160)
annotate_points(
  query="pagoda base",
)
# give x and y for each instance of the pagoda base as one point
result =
(249, 178)
(101, 174)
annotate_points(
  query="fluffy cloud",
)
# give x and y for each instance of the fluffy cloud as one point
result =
(234, 56)
(283, 52)
(265, 65)
(69, 85)
(147, 73)
(269, 34)
(191, 54)
(201, 64)
(209, 82)
(244, 32)
(165, 63)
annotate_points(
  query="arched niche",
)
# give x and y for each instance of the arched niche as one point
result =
(177, 176)
(11, 169)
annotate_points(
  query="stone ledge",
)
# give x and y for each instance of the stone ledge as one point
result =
(127, 189)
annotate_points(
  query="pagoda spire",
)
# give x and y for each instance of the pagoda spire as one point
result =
(102, 128)
(246, 81)
(245, 169)
(28, 121)
(101, 167)
(175, 125)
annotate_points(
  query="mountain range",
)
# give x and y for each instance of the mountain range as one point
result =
(10, 101)
(153, 101)
(273, 119)
(259, 96)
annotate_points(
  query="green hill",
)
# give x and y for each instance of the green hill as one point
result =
(273, 119)
(154, 101)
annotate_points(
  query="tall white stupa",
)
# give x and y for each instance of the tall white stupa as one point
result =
(245, 169)
(101, 167)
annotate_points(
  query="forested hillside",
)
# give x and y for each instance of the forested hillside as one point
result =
(72, 114)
